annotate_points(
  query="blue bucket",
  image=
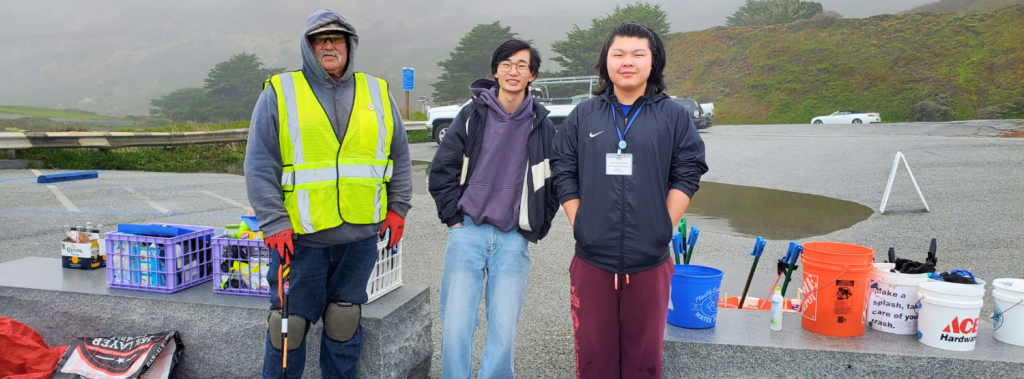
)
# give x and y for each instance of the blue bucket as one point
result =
(693, 302)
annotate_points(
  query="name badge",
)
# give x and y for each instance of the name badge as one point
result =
(618, 164)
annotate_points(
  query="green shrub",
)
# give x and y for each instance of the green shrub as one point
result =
(929, 111)
(418, 116)
(993, 112)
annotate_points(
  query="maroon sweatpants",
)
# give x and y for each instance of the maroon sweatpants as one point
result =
(619, 333)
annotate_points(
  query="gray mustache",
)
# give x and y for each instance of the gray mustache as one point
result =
(324, 53)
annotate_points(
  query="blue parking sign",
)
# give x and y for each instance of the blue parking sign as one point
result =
(408, 84)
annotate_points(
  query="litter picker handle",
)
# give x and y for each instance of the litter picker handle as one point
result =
(284, 272)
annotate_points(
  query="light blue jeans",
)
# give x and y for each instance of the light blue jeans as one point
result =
(474, 252)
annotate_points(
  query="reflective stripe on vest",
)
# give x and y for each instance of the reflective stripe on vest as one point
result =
(325, 182)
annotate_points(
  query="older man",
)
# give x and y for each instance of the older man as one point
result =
(328, 172)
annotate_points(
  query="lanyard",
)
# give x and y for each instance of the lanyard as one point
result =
(622, 134)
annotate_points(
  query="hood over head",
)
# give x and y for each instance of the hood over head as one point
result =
(310, 64)
(480, 86)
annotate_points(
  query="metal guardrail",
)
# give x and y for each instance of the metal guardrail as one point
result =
(114, 140)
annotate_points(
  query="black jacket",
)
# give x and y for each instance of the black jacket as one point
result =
(459, 148)
(623, 225)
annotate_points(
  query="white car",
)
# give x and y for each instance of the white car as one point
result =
(849, 117)
(439, 118)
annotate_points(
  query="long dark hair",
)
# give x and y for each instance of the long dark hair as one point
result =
(656, 82)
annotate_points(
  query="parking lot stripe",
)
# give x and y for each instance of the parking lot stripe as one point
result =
(61, 198)
(152, 203)
(229, 201)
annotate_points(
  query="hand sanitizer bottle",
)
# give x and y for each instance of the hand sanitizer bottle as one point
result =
(777, 303)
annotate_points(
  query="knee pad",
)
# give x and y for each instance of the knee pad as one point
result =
(296, 330)
(341, 320)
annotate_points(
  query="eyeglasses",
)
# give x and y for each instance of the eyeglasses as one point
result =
(321, 39)
(507, 66)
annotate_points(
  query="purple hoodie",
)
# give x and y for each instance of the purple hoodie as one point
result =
(496, 187)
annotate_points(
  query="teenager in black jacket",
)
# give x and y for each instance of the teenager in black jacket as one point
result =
(626, 164)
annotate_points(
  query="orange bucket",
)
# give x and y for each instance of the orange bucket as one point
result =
(835, 291)
(836, 252)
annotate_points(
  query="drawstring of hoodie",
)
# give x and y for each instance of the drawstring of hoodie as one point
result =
(617, 281)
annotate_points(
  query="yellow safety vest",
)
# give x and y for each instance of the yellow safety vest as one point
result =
(326, 182)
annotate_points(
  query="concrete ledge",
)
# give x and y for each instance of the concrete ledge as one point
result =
(223, 334)
(742, 346)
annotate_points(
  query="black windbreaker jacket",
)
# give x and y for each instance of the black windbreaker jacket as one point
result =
(456, 158)
(623, 225)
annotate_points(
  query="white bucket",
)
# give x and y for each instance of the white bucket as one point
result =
(892, 300)
(1008, 315)
(949, 314)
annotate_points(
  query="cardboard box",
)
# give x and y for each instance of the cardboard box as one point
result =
(84, 256)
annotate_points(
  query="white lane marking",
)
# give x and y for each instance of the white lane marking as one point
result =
(61, 198)
(229, 201)
(148, 200)
(60, 195)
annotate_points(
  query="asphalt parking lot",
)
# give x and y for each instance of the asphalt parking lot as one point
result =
(972, 179)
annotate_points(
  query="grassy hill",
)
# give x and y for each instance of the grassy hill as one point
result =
(52, 113)
(791, 73)
(964, 6)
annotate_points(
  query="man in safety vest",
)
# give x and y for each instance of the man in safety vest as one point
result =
(328, 173)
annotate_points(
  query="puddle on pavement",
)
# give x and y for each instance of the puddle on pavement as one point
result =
(749, 211)
(772, 214)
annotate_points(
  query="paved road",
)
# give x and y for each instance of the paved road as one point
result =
(971, 179)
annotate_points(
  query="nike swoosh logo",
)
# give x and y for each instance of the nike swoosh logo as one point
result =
(592, 135)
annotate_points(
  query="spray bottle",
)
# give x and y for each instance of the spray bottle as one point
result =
(777, 303)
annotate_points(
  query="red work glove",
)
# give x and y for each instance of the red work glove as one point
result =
(397, 225)
(282, 242)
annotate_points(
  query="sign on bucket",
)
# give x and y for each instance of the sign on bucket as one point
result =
(892, 301)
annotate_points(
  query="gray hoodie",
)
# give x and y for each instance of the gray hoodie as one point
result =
(263, 165)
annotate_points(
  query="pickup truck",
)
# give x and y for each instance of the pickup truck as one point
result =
(439, 118)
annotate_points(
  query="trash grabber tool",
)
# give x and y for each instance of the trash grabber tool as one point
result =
(758, 249)
(781, 269)
(694, 233)
(792, 266)
(283, 274)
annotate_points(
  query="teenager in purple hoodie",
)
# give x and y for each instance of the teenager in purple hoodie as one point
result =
(491, 181)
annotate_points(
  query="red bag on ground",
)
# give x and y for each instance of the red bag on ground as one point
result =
(25, 355)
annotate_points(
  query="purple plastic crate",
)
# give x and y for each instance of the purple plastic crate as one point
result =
(159, 264)
(240, 267)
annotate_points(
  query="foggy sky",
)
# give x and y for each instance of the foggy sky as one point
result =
(112, 57)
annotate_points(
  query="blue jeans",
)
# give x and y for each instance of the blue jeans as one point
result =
(320, 277)
(473, 252)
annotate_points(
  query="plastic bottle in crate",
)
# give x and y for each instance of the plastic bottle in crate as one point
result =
(260, 266)
(135, 259)
(144, 265)
(120, 263)
(157, 265)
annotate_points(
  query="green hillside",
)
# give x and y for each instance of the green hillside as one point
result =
(51, 113)
(964, 6)
(791, 73)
